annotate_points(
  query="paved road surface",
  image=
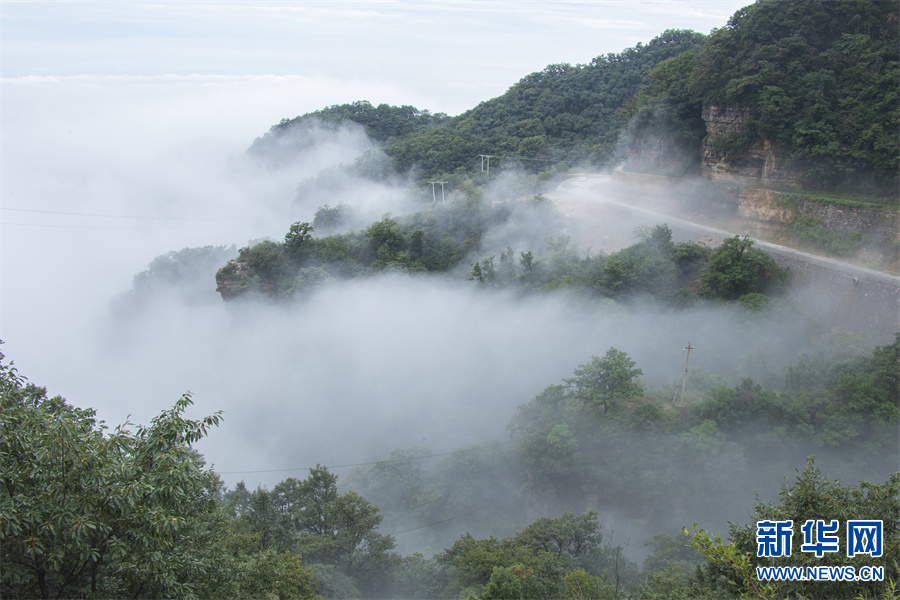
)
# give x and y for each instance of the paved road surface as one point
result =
(584, 198)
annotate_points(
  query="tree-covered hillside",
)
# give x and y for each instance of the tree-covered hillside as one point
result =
(134, 512)
(440, 239)
(819, 79)
(563, 113)
(383, 123)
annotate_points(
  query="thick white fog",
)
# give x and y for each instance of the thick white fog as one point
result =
(103, 172)
(361, 369)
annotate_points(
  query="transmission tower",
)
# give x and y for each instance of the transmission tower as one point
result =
(433, 195)
(689, 349)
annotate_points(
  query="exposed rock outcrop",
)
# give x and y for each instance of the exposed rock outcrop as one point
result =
(758, 164)
(228, 279)
(770, 211)
(764, 209)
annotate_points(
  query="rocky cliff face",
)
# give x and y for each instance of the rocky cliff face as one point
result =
(763, 211)
(758, 165)
(228, 279)
(770, 211)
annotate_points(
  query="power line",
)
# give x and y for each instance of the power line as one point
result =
(145, 217)
(362, 464)
(435, 523)
(553, 160)
(217, 222)
(115, 227)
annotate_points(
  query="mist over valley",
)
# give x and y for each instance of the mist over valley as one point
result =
(473, 373)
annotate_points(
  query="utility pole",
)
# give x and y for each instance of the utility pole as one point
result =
(488, 157)
(433, 195)
(689, 348)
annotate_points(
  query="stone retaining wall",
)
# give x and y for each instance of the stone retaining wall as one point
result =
(846, 297)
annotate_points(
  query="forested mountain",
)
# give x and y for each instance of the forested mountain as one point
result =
(563, 113)
(817, 81)
(383, 124)
(813, 85)
(787, 93)
(92, 513)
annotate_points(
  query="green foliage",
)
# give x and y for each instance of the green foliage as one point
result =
(654, 266)
(297, 240)
(581, 585)
(820, 80)
(484, 272)
(737, 268)
(672, 583)
(417, 577)
(871, 385)
(240, 568)
(646, 267)
(605, 380)
(434, 241)
(466, 490)
(310, 518)
(726, 440)
(521, 581)
(574, 538)
(438, 239)
(670, 552)
(532, 564)
(330, 219)
(385, 241)
(86, 513)
(550, 451)
(818, 77)
(184, 274)
(562, 113)
(381, 123)
(754, 301)
(813, 233)
(665, 128)
(334, 583)
(730, 562)
(813, 496)
(265, 269)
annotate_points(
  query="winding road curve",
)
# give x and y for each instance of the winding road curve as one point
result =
(849, 297)
(586, 188)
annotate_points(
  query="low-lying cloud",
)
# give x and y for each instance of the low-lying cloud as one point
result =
(356, 370)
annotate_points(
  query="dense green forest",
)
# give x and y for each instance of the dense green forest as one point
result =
(134, 512)
(438, 240)
(592, 492)
(564, 113)
(818, 78)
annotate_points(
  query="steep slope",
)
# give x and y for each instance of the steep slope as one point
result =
(563, 113)
(792, 94)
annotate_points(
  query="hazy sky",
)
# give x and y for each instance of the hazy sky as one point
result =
(120, 124)
(292, 57)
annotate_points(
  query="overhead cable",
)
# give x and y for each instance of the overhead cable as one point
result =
(362, 464)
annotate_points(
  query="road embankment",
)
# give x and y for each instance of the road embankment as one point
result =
(845, 296)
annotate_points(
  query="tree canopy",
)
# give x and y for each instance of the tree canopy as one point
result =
(605, 380)
(91, 513)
